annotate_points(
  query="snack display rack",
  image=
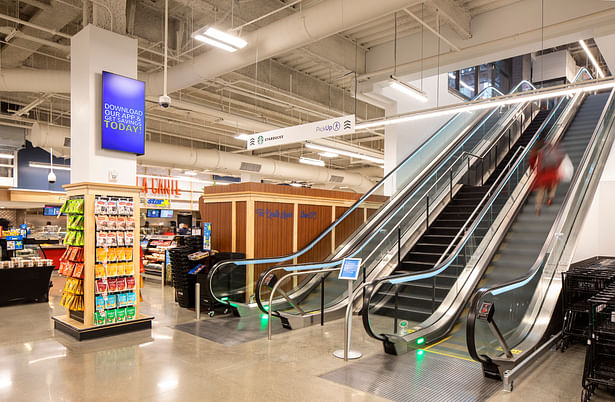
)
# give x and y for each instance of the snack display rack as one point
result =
(106, 254)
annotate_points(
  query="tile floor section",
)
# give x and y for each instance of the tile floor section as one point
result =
(38, 364)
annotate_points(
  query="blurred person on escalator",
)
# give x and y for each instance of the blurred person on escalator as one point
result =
(546, 159)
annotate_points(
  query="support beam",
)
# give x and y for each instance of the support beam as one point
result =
(457, 17)
(434, 31)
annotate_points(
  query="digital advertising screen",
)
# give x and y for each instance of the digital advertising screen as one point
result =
(166, 213)
(51, 211)
(123, 113)
(153, 213)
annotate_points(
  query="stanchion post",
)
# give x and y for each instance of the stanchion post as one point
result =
(197, 300)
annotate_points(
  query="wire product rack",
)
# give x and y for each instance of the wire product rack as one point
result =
(579, 285)
(599, 369)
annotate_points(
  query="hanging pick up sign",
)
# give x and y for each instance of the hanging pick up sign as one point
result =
(305, 132)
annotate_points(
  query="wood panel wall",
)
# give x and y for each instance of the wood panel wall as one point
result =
(240, 226)
(219, 215)
(348, 225)
(273, 231)
(312, 221)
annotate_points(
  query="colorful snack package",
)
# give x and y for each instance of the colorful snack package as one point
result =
(111, 269)
(78, 271)
(63, 266)
(120, 315)
(99, 317)
(110, 302)
(100, 206)
(130, 312)
(121, 223)
(99, 270)
(112, 222)
(127, 253)
(70, 267)
(121, 207)
(101, 255)
(122, 300)
(110, 316)
(131, 299)
(130, 207)
(130, 223)
(101, 222)
(120, 284)
(111, 239)
(101, 239)
(129, 238)
(111, 282)
(101, 285)
(129, 268)
(111, 255)
(130, 282)
(112, 207)
(120, 254)
(120, 239)
(121, 268)
(100, 303)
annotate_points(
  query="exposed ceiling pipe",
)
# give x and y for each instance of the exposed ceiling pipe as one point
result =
(299, 29)
(176, 156)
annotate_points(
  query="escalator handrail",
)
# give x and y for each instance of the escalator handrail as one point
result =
(338, 261)
(500, 183)
(524, 279)
(368, 194)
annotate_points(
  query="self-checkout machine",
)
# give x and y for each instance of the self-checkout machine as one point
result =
(349, 272)
(107, 134)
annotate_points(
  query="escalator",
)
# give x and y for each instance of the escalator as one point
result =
(419, 188)
(521, 317)
(425, 307)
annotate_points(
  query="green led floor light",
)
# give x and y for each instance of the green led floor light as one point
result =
(420, 341)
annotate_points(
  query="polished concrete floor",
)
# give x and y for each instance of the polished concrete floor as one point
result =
(38, 364)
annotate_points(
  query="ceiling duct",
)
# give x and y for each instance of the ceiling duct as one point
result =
(176, 156)
(250, 167)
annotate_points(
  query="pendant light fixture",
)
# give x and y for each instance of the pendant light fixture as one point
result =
(51, 177)
(219, 39)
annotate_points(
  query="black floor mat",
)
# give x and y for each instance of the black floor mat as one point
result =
(231, 331)
(417, 376)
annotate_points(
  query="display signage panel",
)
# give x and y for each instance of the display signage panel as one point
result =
(305, 132)
(206, 236)
(350, 269)
(123, 113)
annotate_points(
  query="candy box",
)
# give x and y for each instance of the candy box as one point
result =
(120, 315)
(110, 316)
(122, 300)
(99, 317)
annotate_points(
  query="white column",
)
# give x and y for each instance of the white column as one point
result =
(94, 50)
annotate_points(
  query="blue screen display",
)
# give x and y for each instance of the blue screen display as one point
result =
(123, 113)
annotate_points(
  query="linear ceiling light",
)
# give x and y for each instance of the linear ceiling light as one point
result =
(328, 154)
(591, 57)
(310, 161)
(42, 165)
(190, 173)
(345, 153)
(6, 156)
(242, 137)
(222, 40)
(490, 103)
(408, 89)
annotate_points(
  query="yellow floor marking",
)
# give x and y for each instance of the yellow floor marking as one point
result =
(448, 355)
(455, 346)
(437, 343)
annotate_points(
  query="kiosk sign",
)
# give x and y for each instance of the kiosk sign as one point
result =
(123, 113)
(350, 269)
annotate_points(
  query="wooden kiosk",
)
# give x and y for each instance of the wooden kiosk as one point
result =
(266, 220)
(80, 324)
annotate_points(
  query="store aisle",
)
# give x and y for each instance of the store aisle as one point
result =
(170, 365)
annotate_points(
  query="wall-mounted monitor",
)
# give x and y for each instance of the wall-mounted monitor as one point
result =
(51, 211)
(123, 113)
(153, 213)
(166, 213)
